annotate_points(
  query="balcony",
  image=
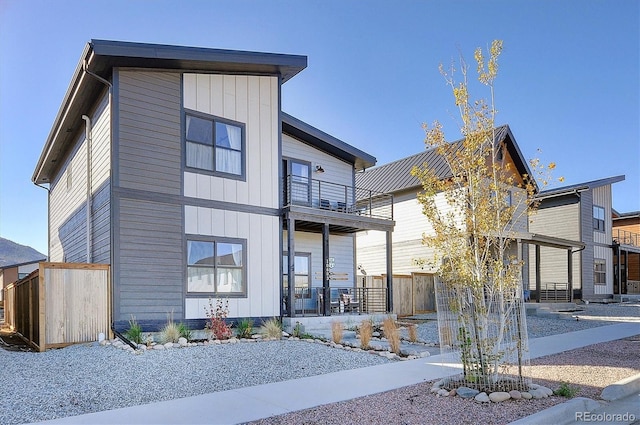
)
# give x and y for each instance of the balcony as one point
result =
(622, 237)
(336, 198)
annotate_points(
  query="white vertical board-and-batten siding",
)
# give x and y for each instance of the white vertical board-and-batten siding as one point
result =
(65, 201)
(335, 170)
(254, 101)
(340, 249)
(263, 269)
(250, 100)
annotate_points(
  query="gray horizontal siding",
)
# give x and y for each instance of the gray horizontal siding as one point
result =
(149, 137)
(101, 225)
(150, 272)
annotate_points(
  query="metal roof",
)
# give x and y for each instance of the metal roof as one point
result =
(396, 176)
(579, 187)
(323, 141)
(101, 56)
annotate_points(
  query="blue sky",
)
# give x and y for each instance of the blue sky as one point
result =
(568, 83)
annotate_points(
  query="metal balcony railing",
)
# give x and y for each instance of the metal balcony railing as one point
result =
(338, 198)
(553, 292)
(623, 237)
(342, 300)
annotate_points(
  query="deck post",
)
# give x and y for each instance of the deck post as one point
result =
(291, 276)
(570, 272)
(538, 281)
(389, 273)
(325, 271)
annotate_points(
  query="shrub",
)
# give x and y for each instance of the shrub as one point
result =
(366, 329)
(390, 330)
(566, 390)
(170, 332)
(217, 319)
(185, 332)
(272, 328)
(134, 333)
(336, 331)
(245, 328)
(413, 333)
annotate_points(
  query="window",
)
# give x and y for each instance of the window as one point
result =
(301, 266)
(599, 272)
(598, 218)
(216, 266)
(215, 145)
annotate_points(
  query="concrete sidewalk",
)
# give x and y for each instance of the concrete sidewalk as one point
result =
(261, 401)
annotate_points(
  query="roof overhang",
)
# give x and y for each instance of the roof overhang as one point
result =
(325, 142)
(577, 188)
(101, 56)
(550, 241)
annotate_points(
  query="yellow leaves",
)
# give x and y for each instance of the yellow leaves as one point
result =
(561, 179)
(551, 166)
(491, 65)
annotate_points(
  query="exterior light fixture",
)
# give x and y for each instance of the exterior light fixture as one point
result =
(319, 169)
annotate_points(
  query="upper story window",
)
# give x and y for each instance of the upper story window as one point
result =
(599, 272)
(598, 218)
(214, 144)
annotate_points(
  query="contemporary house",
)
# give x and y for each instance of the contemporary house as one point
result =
(578, 212)
(177, 167)
(626, 254)
(409, 254)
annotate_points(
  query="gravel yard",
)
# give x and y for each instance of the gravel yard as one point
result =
(87, 378)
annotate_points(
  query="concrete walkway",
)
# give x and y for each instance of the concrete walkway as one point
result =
(261, 401)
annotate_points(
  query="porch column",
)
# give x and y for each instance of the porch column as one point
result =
(617, 273)
(389, 273)
(325, 271)
(291, 275)
(570, 272)
(538, 282)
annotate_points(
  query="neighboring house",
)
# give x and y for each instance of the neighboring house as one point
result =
(14, 272)
(578, 212)
(626, 253)
(409, 254)
(176, 166)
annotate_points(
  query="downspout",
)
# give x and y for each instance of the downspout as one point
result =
(87, 135)
(85, 67)
(48, 218)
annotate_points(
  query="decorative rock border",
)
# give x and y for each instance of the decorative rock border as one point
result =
(183, 343)
(535, 392)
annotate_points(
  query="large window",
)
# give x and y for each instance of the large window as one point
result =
(598, 218)
(302, 277)
(599, 272)
(214, 144)
(216, 266)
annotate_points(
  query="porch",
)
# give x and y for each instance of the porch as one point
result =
(315, 207)
(626, 263)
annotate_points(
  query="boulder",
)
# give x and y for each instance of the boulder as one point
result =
(466, 392)
(538, 393)
(443, 393)
(499, 396)
(515, 394)
(482, 398)
(182, 341)
(526, 395)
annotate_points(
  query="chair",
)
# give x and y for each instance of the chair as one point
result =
(325, 204)
(341, 206)
(350, 305)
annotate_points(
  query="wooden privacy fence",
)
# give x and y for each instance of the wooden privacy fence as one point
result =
(412, 294)
(60, 304)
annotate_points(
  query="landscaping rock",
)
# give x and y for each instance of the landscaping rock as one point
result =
(482, 398)
(168, 345)
(538, 393)
(158, 347)
(443, 393)
(499, 396)
(526, 395)
(547, 391)
(452, 393)
(466, 392)
(515, 394)
(182, 342)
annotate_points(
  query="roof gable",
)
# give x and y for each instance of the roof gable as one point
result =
(396, 176)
